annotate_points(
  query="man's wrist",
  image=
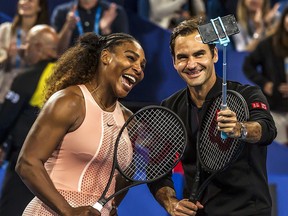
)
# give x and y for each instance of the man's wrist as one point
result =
(166, 196)
(243, 131)
(106, 31)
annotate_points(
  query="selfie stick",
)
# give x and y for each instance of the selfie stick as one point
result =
(223, 41)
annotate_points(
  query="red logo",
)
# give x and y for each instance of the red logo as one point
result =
(259, 105)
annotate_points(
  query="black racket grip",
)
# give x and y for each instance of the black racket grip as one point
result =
(194, 193)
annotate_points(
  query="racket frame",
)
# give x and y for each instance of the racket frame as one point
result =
(102, 200)
(198, 189)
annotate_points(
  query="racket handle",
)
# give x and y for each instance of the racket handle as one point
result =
(98, 206)
(223, 134)
(194, 193)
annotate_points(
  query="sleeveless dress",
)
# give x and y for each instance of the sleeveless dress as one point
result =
(81, 165)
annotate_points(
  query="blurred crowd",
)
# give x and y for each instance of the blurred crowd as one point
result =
(263, 26)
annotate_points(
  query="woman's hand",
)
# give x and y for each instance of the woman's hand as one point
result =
(268, 19)
(84, 211)
(114, 211)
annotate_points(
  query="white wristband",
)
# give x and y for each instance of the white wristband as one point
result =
(98, 206)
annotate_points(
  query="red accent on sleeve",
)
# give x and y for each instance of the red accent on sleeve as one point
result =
(259, 105)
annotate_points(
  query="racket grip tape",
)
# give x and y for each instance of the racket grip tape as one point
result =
(194, 196)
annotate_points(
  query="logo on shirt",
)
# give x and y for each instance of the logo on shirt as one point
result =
(259, 105)
(12, 96)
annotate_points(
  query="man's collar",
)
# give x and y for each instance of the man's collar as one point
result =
(217, 87)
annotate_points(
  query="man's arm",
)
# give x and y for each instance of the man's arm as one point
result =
(164, 192)
(64, 22)
(166, 197)
(259, 129)
(120, 23)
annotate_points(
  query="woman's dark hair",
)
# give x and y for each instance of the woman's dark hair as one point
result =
(42, 18)
(185, 28)
(280, 37)
(79, 64)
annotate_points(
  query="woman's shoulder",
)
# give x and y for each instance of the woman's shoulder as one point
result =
(65, 107)
(68, 97)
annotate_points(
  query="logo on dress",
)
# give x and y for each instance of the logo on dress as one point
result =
(110, 124)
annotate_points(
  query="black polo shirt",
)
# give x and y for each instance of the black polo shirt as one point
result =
(242, 189)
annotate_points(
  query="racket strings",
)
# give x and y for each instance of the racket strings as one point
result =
(157, 136)
(215, 153)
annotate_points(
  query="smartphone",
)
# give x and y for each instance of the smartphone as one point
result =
(208, 34)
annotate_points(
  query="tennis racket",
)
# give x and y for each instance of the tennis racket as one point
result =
(215, 154)
(158, 140)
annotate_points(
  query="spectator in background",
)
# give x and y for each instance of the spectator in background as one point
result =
(163, 11)
(118, 2)
(267, 66)
(20, 110)
(197, 7)
(256, 20)
(12, 35)
(77, 17)
(168, 13)
(220, 8)
(192, 8)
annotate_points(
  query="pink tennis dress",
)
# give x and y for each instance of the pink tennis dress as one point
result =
(81, 165)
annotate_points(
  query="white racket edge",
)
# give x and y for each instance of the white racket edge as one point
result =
(98, 206)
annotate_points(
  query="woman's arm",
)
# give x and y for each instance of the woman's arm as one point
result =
(63, 113)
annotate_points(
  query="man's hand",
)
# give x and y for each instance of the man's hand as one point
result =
(166, 196)
(108, 18)
(185, 207)
(283, 89)
(268, 88)
(71, 18)
(227, 123)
